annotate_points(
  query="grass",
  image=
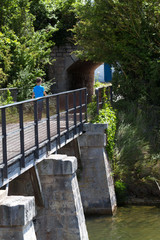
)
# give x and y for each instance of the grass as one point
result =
(137, 150)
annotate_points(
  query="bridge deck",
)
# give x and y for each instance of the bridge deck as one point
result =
(13, 140)
(25, 140)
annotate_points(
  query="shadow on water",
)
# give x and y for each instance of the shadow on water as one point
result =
(130, 223)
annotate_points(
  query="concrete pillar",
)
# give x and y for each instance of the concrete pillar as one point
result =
(63, 216)
(96, 183)
(16, 214)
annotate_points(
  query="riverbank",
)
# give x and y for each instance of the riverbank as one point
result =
(142, 201)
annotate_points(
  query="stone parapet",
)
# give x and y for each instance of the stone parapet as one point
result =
(95, 128)
(16, 214)
(58, 165)
(16, 210)
(94, 135)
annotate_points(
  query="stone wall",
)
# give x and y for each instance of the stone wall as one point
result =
(68, 72)
(95, 179)
(63, 59)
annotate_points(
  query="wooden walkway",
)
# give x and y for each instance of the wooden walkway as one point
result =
(13, 139)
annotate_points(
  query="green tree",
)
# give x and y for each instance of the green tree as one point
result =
(57, 14)
(24, 52)
(125, 34)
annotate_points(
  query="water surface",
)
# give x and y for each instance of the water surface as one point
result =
(130, 223)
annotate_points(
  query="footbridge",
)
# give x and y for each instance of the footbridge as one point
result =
(27, 142)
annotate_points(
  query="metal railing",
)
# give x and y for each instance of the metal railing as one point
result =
(28, 124)
(100, 96)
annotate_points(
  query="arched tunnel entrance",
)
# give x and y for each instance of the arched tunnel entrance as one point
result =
(81, 74)
(68, 72)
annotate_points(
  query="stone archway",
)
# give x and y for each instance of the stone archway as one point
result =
(68, 72)
(81, 74)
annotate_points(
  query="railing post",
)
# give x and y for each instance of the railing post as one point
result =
(97, 100)
(86, 103)
(107, 93)
(22, 161)
(80, 103)
(48, 124)
(111, 96)
(75, 117)
(67, 122)
(102, 96)
(36, 130)
(4, 143)
(58, 120)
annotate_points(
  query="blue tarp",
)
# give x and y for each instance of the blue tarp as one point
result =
(103, 73)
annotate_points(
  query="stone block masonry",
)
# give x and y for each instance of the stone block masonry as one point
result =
(95, 179)
(96, 183)
(62, 218)
(68, 72)
(16, 214)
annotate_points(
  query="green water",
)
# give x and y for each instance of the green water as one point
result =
(130, 223)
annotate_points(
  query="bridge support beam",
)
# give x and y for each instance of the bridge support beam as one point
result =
(16, 214)
(63, 216)
(96, 183)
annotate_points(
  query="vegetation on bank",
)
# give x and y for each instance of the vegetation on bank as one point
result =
(137, 153)
(125, 34)
(133, 138)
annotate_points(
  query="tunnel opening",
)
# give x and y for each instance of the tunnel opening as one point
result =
(81, 74)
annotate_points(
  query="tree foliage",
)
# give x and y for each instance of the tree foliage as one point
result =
(125, 34)
(24, 52)
(58, 14)
(28, 30)
(106, 115)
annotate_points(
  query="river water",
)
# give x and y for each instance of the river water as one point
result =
(129, 223)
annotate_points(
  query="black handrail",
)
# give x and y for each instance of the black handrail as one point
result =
(48, 96)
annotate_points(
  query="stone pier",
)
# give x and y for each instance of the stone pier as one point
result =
(16, 214)
(96, 183)
(95, 180)
(63, 216)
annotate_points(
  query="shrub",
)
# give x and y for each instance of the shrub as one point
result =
(106, 115)
(7, 100)
(121, 192)
(136, 155)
